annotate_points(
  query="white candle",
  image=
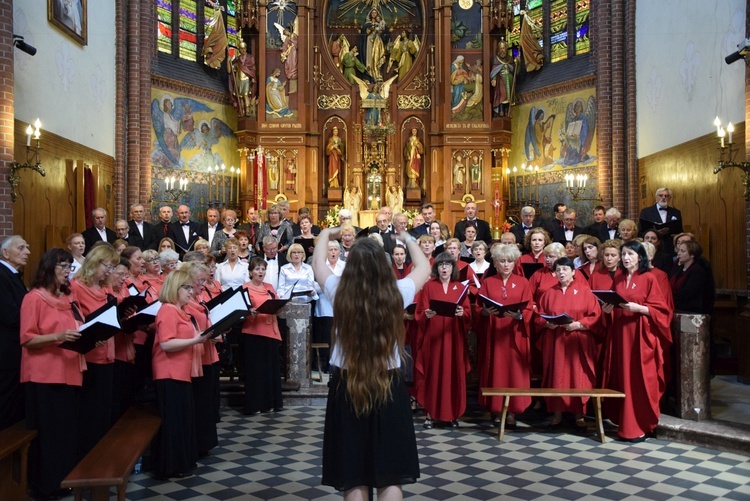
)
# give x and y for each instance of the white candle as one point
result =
(29, 132)
(730, 129)
(721, 136)
(717, 124)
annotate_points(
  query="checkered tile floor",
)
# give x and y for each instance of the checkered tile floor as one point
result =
(277, 456)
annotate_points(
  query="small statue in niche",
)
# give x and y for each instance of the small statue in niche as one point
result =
(459, 174)
(273, 173)
(413, 152)
(276, 100)
(291, 174)
(475, 172)
(335, 152)
(395, 198)
(353, 202)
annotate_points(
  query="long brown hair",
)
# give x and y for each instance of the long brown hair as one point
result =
(368, 324)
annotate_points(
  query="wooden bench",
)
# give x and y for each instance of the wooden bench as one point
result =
(595, 393)
(14, 460)
(111, 461)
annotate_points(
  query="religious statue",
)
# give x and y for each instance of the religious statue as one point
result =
(273, 173)
(276, 100)
(374, 99)
(403, 53)
(335, 152)
(459, 79)
(350, 65)
(413, 152)
(291, 174)
(533, 56)
(459, 174)
(374, 31)
(475, 99)
(503, 79)
(353, 202)
(215, 43)
(475, 173)
(289, 55)
(395, 198)
(242, 80)
(339, 48)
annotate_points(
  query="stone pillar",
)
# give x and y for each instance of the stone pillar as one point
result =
(297, 318)
(692, 335)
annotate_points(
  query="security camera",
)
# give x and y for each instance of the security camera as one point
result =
(742, 49)
(28, 49)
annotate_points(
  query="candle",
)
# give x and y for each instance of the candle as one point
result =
(223, 184)
(29, 131)
(37, 126)
(515, 175)
(717, 123)
(721, 136)
(730, 129)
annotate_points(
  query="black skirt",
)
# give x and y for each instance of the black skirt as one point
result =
(262, 374)
(205, 389)
(95, 418)
(176, 451)
(377, 450)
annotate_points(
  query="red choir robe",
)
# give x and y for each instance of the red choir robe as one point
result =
(633, 359)
(402, 273)
(412, 340)
(527, 258)
(569, 359)
(584, 269)
(504, 350)
(442, 360)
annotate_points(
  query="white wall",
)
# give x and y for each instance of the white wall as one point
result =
(682, 81)
(70, 87)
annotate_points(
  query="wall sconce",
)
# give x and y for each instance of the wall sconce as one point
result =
(32, 159)
(176, 193)
(576, 186)
(728, 152)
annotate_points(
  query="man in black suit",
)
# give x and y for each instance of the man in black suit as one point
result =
(141, 232)
(553, 223)
(598, 224)
(270, 247)
(14, 253)
(483, 227)
(161, 229)
(528, 215)
(211, 226)
(381, 228)
(185, 232)
(569, 229)
(610, 230)
(252, 226)
(661, 213)
(98, 232)
(122, 230)
(428, 214)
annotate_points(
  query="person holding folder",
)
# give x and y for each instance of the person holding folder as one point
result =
(503, 338)
(261, 341)
(51, 376)
(91, 291)
(442, 360)
(175, 360)
(535, 240)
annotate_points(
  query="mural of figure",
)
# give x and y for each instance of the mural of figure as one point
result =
(502, 78)
(335, 152)
(353, 202)
(413, 151)
(531, 49)
(291, 174)
(375, 31)
(538, 137)
(350, 65)
(459, 78)
(204, 138)
(273, 173)
(276, 101)
(395, 198)
(475, 173)
(242, 81)
(475, 100)
(289, 58)
(459, 174)
(580, 124)
(170, 117)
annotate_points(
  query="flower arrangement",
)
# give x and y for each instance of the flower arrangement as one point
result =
(505, 227)
(411, 214)
(332, 217)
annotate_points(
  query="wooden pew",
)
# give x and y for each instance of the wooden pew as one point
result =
(14, 455)
(595, 393)
(112, 460)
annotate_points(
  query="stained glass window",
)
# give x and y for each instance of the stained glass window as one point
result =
(233, 34)
(534, 8)
(188, 36)
(558, 23)
(583, 43)
(164, 19)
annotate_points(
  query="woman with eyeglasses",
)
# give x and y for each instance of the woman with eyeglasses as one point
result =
(231, 273)
(261, 341)
(206, 382)
(570, 351)
(503, 339)
(170, 261)
(52, 376)
(228, 219)
(91, 291)
(279, 229)
(152, 271)
(297, 275)
(176, 359)
(442, 359)
(213, 286)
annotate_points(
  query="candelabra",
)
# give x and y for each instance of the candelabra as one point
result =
(576, 186)
(32, 159)
(176, 193)
(728, 152)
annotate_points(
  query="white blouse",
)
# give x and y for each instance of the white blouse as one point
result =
(229, 277)
(304, 278)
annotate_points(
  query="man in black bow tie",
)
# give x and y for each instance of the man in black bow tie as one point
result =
(270, 254)
(662, 213)
(483, 227)
(528, 215)
(185, 232)
(381, 228)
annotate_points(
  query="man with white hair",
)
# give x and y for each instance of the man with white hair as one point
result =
(610, 231)
(528, 221)
(345, 217)
(662, 214)
(98, 232)
(14, 254)
(141, 231)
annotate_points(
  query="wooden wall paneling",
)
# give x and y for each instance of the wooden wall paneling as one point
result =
(711, 204)
(75, 172)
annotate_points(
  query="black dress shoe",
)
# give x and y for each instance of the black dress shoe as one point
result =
(554, 426)
(453, 424)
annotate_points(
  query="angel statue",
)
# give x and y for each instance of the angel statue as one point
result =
(204, 138)
(290, 40)
(170, 117)
(374, 98)
(538, 139)
(395, 198)
(577, 136)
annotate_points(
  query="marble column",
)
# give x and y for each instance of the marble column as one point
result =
(297, 318)
(692, 335)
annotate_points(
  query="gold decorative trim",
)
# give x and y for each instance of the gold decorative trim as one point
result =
(334, 102)
(413, 102)
(420, 82)
(329, 83)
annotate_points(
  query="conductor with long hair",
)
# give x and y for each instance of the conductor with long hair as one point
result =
(369, 436)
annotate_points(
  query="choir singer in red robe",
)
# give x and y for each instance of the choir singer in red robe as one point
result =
(633, 360)
(569, 352)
